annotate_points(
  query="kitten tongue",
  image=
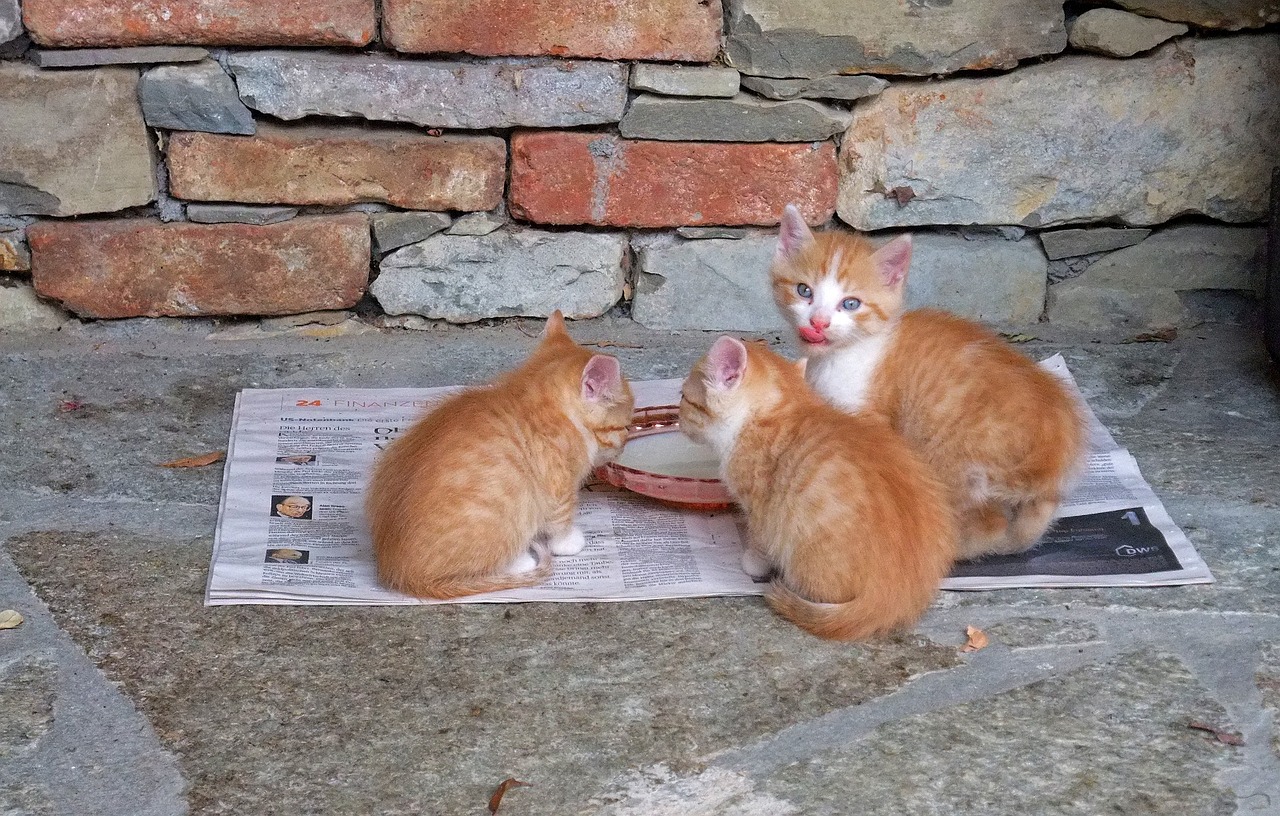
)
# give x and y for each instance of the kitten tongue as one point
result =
(811, 335)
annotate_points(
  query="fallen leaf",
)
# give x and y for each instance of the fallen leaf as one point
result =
(1224, 737)
(506, 785)
(10, 619)
(977, 639)
(196, 461)
(902, 195)
(67, 406)
(1165, 335)
(434, 131)
(611, 344)
(1019, 338)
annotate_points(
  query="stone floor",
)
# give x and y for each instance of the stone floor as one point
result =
(121, 694)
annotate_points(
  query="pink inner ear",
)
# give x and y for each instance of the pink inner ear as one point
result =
(727, 362)
(893, 259)
(601, 378)
(794, 233)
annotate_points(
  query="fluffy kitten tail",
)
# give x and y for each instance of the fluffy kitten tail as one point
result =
(444, 588)
(862, 618)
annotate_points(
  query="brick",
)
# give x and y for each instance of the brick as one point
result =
(683, 30)
(339, 165)
(108, 23)
(143, 268)
(592, 178)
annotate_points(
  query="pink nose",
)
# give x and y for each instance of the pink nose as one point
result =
(820, 323)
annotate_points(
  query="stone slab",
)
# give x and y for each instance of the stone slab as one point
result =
(604, 29)
(1119, 33)
(477, 95)
(684, 80)
(846, 88)
(14, 254)
(1138, 287)
(1232, 15)
(91, 57)
(588, 178)
(22, 310)
(510, 273)
(701, 233)
(1146, 137)
(743, 118)
(200, 97)
(108, 23)
(72, 142)
(136, 268)
(10, 21)
(477, 223)
(313, 164)
(1069, 243)
(983, 277)
(394, 230)
(238, 214)
(781, 38)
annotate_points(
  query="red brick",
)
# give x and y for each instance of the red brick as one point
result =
(560, 177)
(141, 268)
(314, 165)
(111, 23)
(610, 29)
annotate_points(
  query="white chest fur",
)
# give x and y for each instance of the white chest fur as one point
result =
(843, 377)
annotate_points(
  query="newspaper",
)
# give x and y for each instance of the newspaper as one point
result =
(291, 527)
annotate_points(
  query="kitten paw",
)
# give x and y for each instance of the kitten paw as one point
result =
(524, 562)
(755, 565)
(571, 543)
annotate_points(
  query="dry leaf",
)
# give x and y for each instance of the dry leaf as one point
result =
(977, 639)
(506, 785)
(67, 406)
(196, 461)
(1165, 335)
(1224, 737)
(434, 131)
(902, 195)
(1019, 338)
(10, 619)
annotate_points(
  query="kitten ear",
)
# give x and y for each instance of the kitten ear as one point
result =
(601, 378)
(893, 259)
(794, 234)
(555, 325)
(726, 363)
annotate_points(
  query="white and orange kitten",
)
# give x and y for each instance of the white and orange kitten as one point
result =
(1005, 436)
(857, 531)
(457, 504)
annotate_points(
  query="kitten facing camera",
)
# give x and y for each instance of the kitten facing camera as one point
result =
(481, 492)
(857, 532)
(1005, 436)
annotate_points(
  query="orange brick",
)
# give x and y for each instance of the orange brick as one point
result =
(135, 267)
(611, 29)
(113, 23)
(560, 177)
(339, 165)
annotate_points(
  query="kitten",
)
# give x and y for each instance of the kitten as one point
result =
(456, 503)
(836, 503)
(1005, 436)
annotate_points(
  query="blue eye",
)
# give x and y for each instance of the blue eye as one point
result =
(803, 290)
(849, 304)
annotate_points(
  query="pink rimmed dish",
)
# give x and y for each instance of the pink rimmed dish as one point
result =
(664, 464)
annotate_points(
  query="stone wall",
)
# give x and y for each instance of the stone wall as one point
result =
(462, 160)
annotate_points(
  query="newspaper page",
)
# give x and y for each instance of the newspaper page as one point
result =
(291, 526)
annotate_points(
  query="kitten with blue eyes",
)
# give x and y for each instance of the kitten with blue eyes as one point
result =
(1004, 436)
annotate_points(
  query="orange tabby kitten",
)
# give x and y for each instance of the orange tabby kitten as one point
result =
(1005, 436)
(836, 503)
(456, 503)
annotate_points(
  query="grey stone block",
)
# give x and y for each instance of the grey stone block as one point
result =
(1232, 15)
(22, 309)
(238, 214)
(831, 87)
(489, 94)
(1119, 33)
(90, 57)
(477, 223)
(701, 233)
(784, 38)
(396, 229)
(1068, 243)
(681, 80)
(741, 119)
(1144, 137)
(193, 97)
(10, 21)
(519, 272)
(983, 277)
(15, 255)
(91, 122)
(1137, 287)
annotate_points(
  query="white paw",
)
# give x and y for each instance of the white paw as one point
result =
(524, 562)
(755, 565)
(571, 543)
